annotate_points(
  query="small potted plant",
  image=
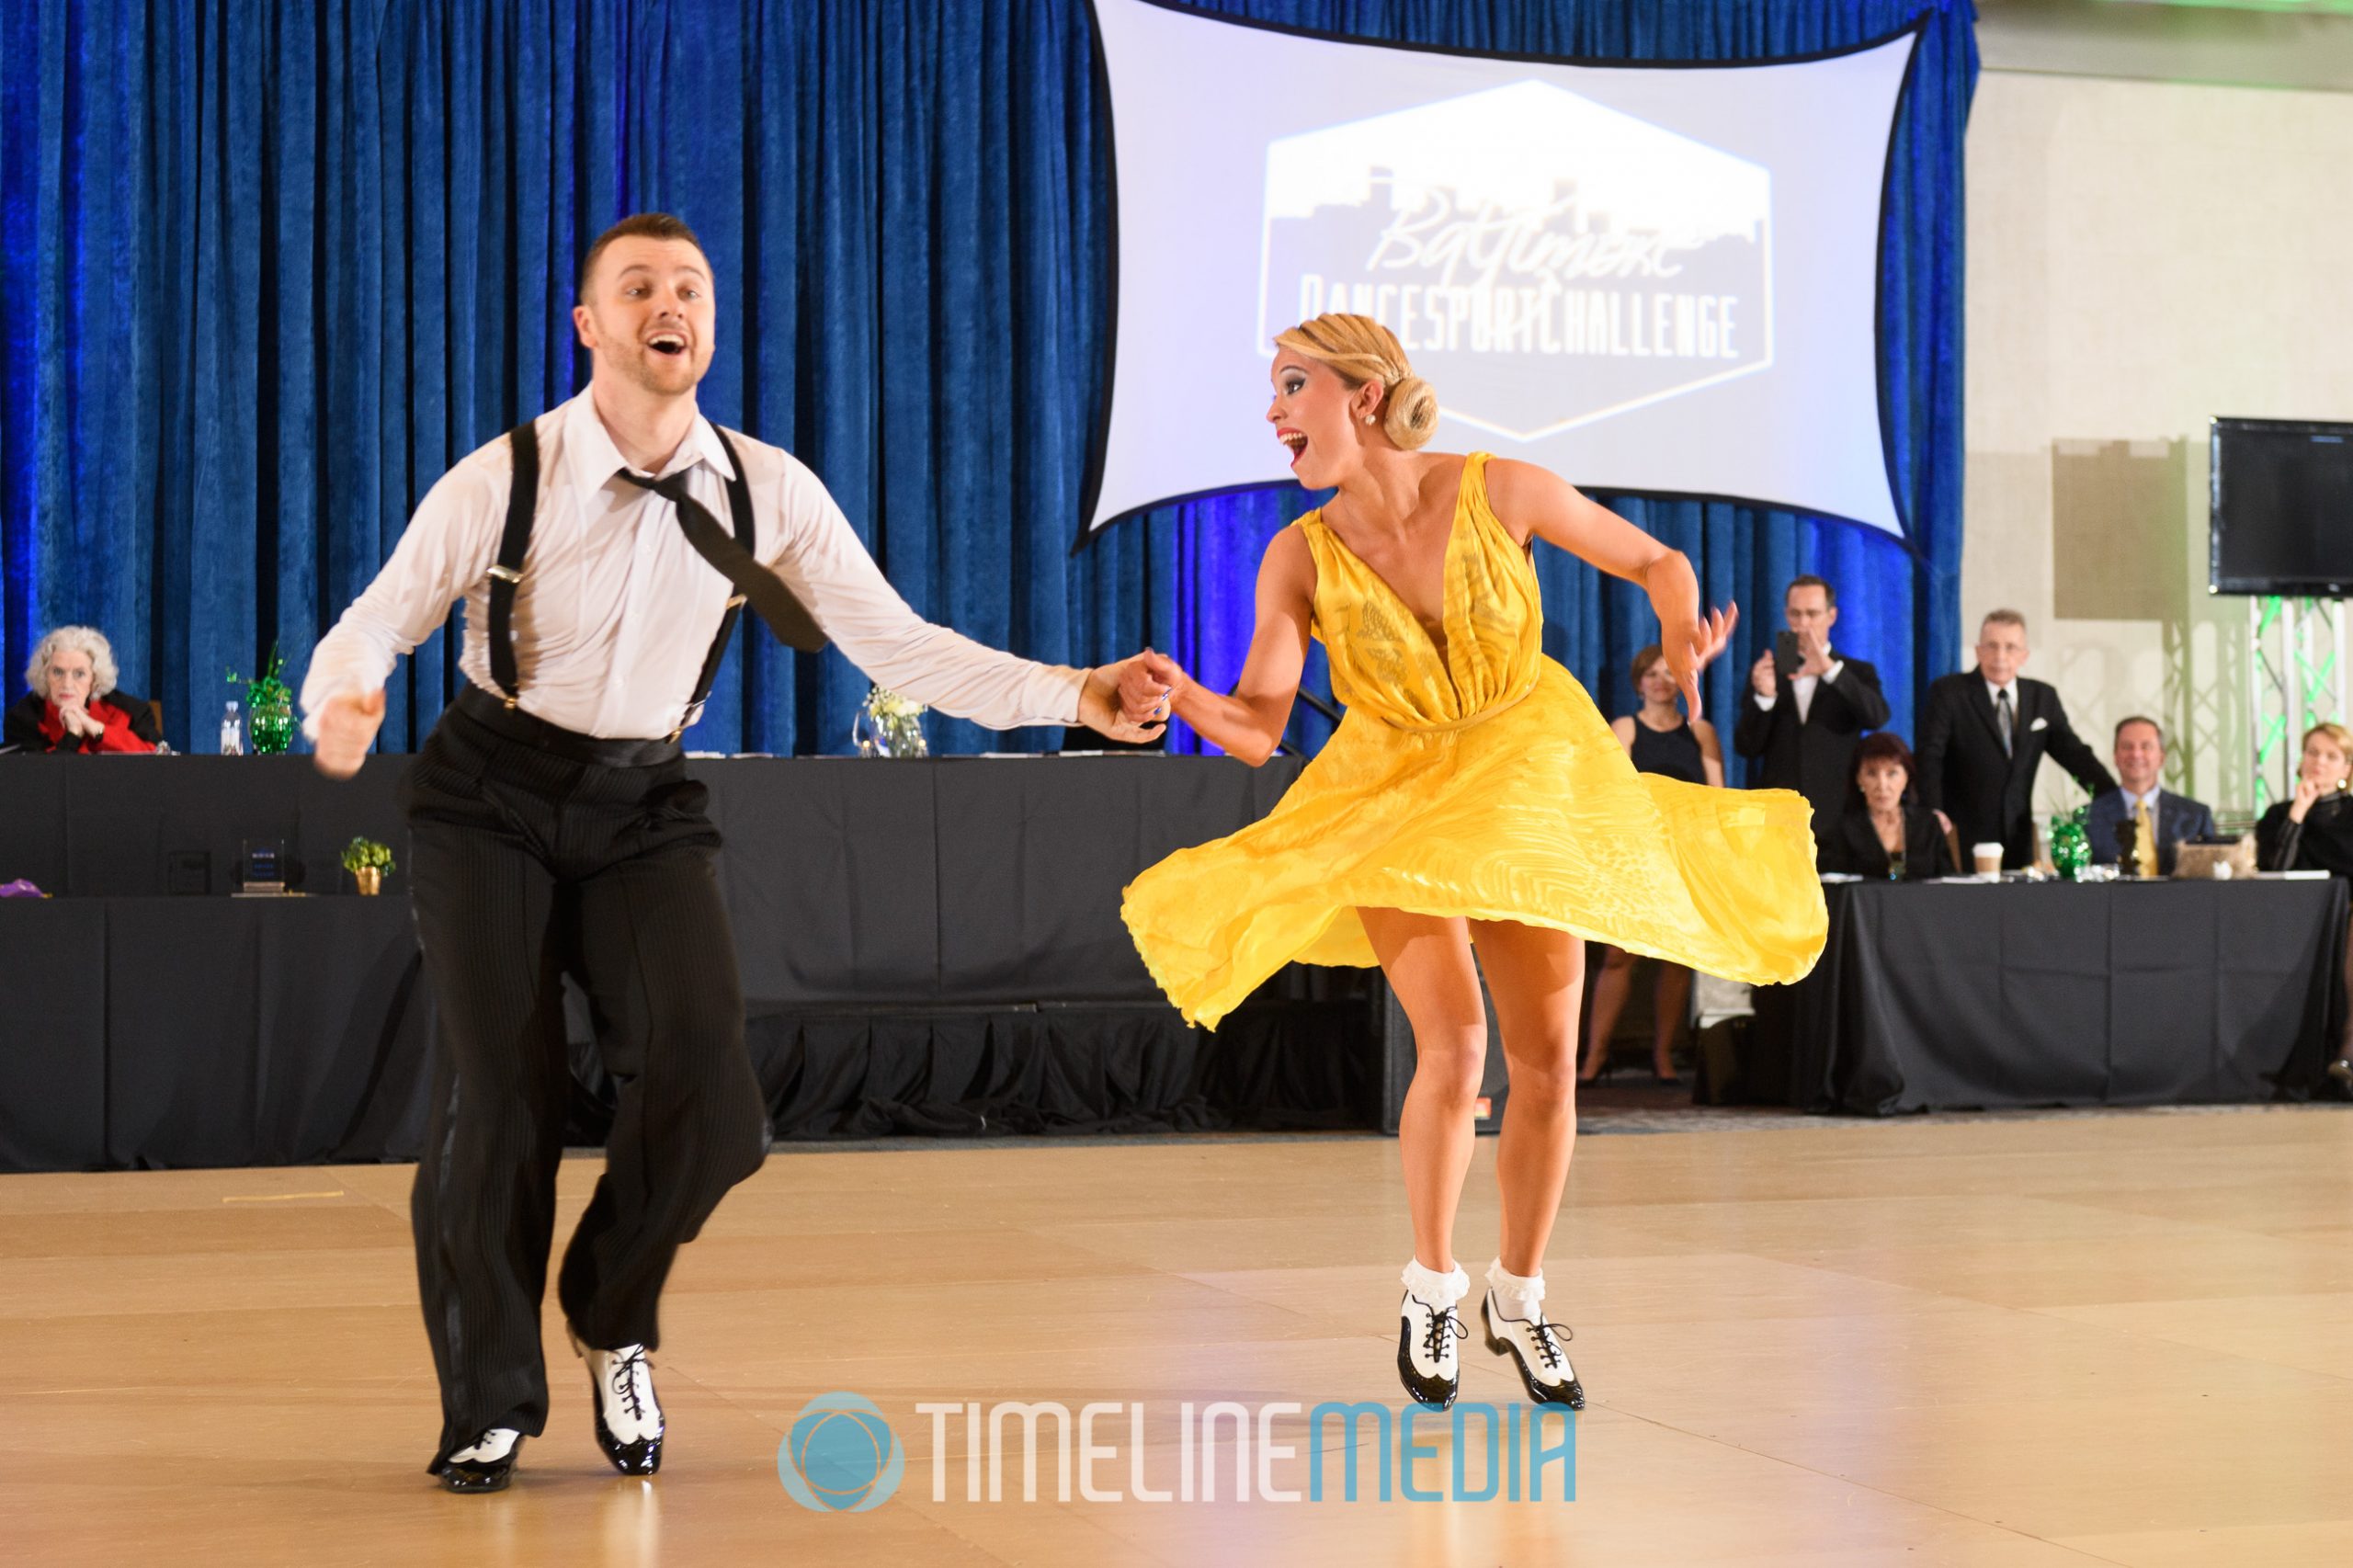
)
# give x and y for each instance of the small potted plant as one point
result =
(369, 863)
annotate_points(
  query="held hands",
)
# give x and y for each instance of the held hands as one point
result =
(1124, 701)
(1763, 677)
(1814, 653)
(1162, 678)
(348, 727)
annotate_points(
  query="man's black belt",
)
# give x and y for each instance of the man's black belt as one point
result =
(514, 724)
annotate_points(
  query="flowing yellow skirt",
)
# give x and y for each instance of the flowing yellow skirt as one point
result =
(1534, 814)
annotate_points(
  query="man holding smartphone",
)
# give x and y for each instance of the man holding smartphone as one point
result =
(1809, 707)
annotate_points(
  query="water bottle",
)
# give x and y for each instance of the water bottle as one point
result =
(232, 733)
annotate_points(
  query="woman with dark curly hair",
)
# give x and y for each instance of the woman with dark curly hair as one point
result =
(1882, 834)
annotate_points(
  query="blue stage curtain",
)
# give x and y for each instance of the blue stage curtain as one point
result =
(272, 267)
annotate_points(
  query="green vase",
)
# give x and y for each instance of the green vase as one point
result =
(2071, 847)
(273, 720)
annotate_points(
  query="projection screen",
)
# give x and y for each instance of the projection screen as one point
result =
(1650, 278)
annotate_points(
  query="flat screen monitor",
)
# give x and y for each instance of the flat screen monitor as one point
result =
(2282, 507)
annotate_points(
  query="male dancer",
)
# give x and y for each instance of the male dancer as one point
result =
(602, 551)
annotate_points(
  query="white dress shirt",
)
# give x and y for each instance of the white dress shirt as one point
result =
(1803, 687)
(616, 610)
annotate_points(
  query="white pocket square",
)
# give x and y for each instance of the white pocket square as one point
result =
(2039, 724)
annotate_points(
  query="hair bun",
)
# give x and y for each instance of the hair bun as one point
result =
(1412, 416)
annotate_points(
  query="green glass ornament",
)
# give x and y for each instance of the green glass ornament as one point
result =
(269, 702)
(2071, 844)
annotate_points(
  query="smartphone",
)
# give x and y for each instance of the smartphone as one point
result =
(1787, 660)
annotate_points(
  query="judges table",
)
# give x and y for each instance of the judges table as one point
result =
(1945, 996)
(917, 938)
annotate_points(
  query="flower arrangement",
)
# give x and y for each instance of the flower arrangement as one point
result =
(889, 725)
(368, 862)
(271, 704)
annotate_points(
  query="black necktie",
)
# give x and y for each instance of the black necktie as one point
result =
(2009, 725)
(763, 589)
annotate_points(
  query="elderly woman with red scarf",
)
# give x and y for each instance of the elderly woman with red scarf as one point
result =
(74, 706)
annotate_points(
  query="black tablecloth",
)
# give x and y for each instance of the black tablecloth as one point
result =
(2011, 994)
(928, 944)
(849, 880)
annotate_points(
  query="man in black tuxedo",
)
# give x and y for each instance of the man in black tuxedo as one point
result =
(1805, 737)
(1982, 736)
(2162, 821)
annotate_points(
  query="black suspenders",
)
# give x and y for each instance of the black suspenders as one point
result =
(739, 509)
(522, 507)
(522, 504)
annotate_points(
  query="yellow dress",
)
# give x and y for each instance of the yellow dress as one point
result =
(1485, 784)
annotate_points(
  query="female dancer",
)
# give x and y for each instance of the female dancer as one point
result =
(1472, 797)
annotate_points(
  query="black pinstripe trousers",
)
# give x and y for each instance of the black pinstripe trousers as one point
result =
(527, 865)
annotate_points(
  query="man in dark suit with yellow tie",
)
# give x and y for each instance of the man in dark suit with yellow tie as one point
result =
(2162, 821)
(1982, 738)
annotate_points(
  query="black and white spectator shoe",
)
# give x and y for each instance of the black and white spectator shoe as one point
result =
(486, 1465)
(1535, 1347)
(628, 1418)
(1427, 1362)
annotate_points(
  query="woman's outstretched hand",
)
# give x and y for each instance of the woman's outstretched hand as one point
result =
(1690, 645)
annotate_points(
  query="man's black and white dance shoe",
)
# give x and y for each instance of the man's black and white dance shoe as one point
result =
(1427, 1362)
(486, 1465)
(628, 1418)
(1535, 1347)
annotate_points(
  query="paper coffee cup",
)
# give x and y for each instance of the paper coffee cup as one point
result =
(1988, 857)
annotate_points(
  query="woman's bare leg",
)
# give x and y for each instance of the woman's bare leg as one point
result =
(1429, 964)
(1609, 989)
(1536, 977)
(1672, 1000)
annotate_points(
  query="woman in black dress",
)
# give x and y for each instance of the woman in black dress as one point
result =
(1881, 835)
(2312, 831)
(1661, 741)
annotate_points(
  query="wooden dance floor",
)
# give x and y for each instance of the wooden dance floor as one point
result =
(2120, 1339)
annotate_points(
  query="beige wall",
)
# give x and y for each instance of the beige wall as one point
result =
(2141, 256)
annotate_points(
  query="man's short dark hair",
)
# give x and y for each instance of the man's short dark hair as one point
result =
(637, 225)
(1829, 593)
(2138, 718)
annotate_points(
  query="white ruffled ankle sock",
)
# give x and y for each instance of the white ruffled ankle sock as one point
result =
(1515, 1297)
(1433, 1289)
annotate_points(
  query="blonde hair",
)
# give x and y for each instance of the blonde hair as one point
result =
(83, 639)
(2338, 736)
(1359, 349)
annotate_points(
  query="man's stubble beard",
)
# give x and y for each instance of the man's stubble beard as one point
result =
(644, 370)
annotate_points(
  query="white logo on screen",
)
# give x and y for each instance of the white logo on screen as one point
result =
(1547, 262)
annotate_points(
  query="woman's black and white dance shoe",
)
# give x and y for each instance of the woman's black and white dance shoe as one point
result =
(486, 1465)
(1427, 1362)
(1535, 1346)
(628, 1418)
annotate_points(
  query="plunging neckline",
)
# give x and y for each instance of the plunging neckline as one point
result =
(1443, 652)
